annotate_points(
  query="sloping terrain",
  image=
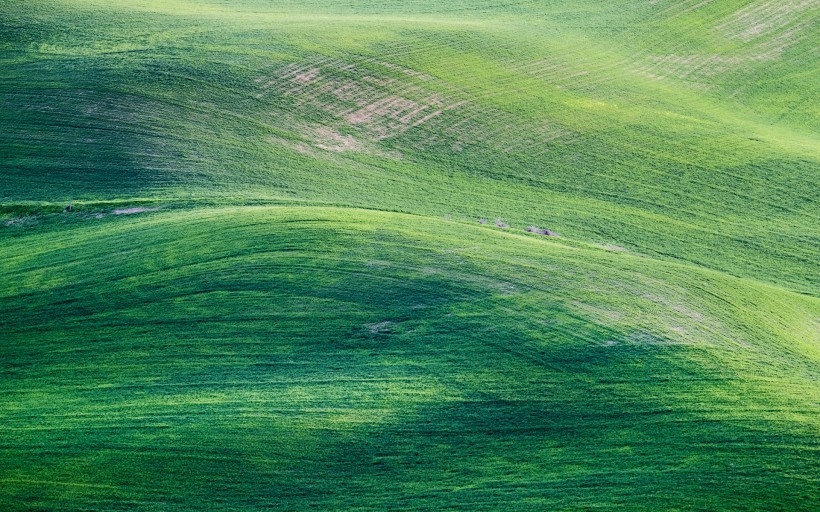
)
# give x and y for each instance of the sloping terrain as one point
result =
(308, 259)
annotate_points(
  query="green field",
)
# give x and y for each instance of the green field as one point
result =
(304, 269)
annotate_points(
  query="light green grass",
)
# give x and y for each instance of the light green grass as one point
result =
(309, 313)
(563, 123)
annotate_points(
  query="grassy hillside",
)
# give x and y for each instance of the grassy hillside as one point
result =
(538, 114)
(343, 358)
(296, 273)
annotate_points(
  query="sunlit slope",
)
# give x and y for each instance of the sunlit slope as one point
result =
(282, 285)
(336, 358)
(674, 129)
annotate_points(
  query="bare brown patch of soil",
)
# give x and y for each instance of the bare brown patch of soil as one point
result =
(382, 106)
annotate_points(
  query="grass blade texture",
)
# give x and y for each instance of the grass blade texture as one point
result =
(409, 255)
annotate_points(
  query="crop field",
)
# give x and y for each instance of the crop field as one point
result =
(409, 255)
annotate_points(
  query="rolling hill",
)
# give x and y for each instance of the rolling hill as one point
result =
(473, 256)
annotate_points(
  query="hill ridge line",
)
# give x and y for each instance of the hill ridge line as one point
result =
(518, 233)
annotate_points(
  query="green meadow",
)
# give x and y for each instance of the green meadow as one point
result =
(414, 255)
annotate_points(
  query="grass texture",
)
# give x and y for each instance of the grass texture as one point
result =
(303, 265)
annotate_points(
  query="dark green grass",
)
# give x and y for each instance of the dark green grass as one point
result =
(297, 357)
(309, 315)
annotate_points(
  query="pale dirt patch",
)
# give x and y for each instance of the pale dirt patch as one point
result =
(385, 327)
(391, 116)
(614, 248)
(771, 27)
(545, 69)
(426, 118)
(477, 126)
(382, 107)
(132, 211)
(690, 67)
(761, 18)
(676, 306)
(673, 312)
(379, 81)
(378, 264)
(679, 8)
(775, 46)
(507, 288)
(318, 140)
(306, 77)
(303, 148)
(406, 71)
(413, 113)
(599, 313)
(648, 338)
(679, 329)
(698, 69)
(695, 7)
(20, 221)
(330, 140)
(379, 106)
